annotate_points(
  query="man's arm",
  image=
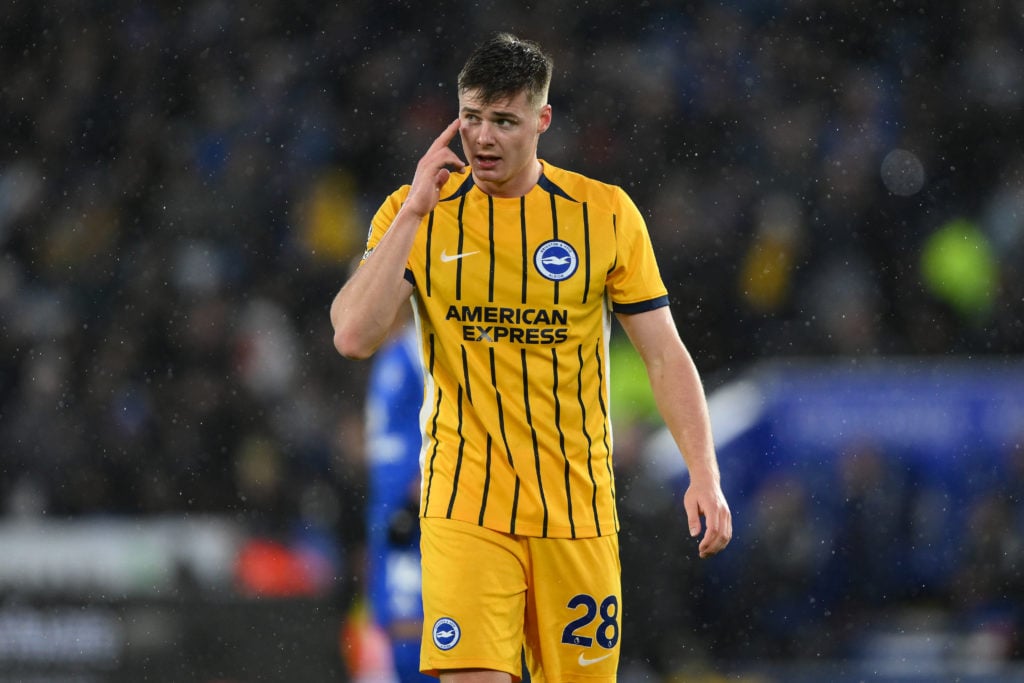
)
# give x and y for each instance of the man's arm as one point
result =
(364, 310)
(679, 395)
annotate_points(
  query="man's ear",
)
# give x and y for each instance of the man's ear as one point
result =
(544, 121)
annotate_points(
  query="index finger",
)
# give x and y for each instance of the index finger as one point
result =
(445, 138)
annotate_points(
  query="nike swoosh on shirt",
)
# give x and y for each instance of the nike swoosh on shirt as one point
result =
(587, 662)
(445, 258)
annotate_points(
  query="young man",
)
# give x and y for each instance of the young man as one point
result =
(515, 267)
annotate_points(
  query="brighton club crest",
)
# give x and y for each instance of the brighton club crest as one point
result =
(556, 260)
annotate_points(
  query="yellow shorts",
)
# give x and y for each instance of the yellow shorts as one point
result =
(490, 596)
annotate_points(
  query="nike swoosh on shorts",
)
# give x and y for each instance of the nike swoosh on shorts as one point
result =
(583, 661)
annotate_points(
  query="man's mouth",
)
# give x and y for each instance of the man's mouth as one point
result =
(485, 161)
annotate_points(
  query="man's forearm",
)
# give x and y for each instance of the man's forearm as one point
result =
(679, 395)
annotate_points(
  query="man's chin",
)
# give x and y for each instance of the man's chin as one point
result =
(488, 175)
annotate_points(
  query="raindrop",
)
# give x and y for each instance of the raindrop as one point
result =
(902, 172)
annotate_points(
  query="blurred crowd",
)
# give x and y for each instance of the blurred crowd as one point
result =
(867, 556)
(184, 186)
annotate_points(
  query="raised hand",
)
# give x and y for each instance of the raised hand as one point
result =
(432, 172)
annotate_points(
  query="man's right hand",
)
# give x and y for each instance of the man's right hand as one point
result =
(432, 172)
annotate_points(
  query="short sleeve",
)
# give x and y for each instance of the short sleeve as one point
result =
(383, 219)
(634, 283)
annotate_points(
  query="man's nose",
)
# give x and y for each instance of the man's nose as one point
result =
(485, 133)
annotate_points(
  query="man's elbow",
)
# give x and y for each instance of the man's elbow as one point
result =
(352, 346)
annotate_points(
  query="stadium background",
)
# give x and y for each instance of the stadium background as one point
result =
(837, 193)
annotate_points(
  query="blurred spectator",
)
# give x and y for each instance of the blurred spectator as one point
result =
(780, 605)
(873, 501)
(663, 586)
(989, 580)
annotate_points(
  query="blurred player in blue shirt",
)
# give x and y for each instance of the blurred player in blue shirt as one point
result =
(394, 396)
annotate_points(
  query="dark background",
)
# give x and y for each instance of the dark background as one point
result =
(183, 187)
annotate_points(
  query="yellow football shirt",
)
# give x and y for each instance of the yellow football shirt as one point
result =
(513, 305)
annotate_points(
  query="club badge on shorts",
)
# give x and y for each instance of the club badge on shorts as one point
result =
(446, 633)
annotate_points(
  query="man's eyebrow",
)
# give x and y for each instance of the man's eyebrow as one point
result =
(496, 114)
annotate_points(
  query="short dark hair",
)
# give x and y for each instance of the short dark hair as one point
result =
(505, 65)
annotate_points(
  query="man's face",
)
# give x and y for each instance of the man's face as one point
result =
(500, 141)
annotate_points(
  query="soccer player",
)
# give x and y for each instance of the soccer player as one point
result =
(394, 395)
(515, 267)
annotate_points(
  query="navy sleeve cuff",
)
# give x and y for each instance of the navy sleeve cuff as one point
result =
(641, 306)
